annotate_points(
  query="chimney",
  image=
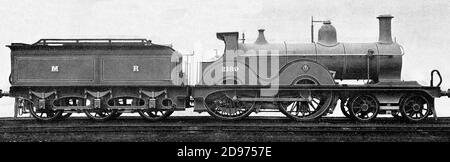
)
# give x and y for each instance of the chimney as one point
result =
(385, 29)
(261, 39)
(230, 39)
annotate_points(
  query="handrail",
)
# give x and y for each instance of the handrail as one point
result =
(432, 75)
(91, 41)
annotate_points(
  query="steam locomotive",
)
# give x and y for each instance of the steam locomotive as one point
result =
(103, 78)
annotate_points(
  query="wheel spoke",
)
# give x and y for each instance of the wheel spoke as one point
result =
(294, 105)
(315, 101)
(306, 110)
(312, 106)
(223, 106)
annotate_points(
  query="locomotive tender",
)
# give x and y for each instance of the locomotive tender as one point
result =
(100, 77)
(104, 78)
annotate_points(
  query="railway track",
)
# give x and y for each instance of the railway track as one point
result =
(208, 129)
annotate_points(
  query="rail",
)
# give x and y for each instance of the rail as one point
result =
(208, 129)
(45, 42)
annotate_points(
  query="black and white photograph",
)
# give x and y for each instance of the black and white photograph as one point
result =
(224, 79)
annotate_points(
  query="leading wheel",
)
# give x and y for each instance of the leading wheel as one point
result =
(225, 105)
(364, 107)
(344, 107)
(415, 107)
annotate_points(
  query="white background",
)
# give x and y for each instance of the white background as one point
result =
(422, 27)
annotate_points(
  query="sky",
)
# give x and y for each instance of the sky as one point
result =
(421, 27)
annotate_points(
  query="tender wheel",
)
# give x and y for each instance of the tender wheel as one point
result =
(364, 107)
(69, 101)
(124, 101)
(226, 106)
(45, 114)
(155, 114)
(100, 114)
(415, 107)
(344, 107)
